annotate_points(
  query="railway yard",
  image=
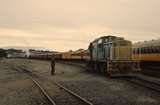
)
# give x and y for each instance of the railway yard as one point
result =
(28, 82)
(79, 52)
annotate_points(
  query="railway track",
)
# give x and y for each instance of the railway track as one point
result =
(63, 95)
(144, 83)
(43, 91)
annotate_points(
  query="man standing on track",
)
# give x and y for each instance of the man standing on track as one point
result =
(91, 50)
(52, 66)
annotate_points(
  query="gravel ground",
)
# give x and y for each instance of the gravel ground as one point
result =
(98, 89)
(113, 93)
(16, 88)
(59, 95)
(101, 90)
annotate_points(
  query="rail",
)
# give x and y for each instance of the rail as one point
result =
(74, 94)
(85, 101)
(144, 83)
(43, 91)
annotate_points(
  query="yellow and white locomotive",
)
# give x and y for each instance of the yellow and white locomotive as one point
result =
(112, 55)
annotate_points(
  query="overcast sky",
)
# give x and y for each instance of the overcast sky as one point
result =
(71, 24)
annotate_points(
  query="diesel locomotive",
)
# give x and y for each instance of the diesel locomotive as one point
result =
(108, 54)
(113, 56)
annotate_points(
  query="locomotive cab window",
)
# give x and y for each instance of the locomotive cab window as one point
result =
(100, 41)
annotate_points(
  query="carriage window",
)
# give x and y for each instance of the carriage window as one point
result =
(151, 50)
(145, 50)
(134, 51)
(158, 49)
(138, 51)
(142, 50)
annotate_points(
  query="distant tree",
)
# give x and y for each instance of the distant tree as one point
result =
(3, 53)
(32, 50)
(11, 51)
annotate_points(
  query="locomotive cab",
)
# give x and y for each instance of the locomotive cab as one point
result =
(112, 55)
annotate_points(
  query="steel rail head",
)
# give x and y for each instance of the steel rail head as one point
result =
(74, 94)
(143, 85)
(43, 91)
(155, 83)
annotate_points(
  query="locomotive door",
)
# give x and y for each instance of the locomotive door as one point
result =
(100, 51)
(108, 51)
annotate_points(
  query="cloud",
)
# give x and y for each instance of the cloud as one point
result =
(57, 24)
(141, 15)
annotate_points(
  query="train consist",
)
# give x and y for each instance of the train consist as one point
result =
(77, 55)
(112, 55)
(44, 55)
(108, 54)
